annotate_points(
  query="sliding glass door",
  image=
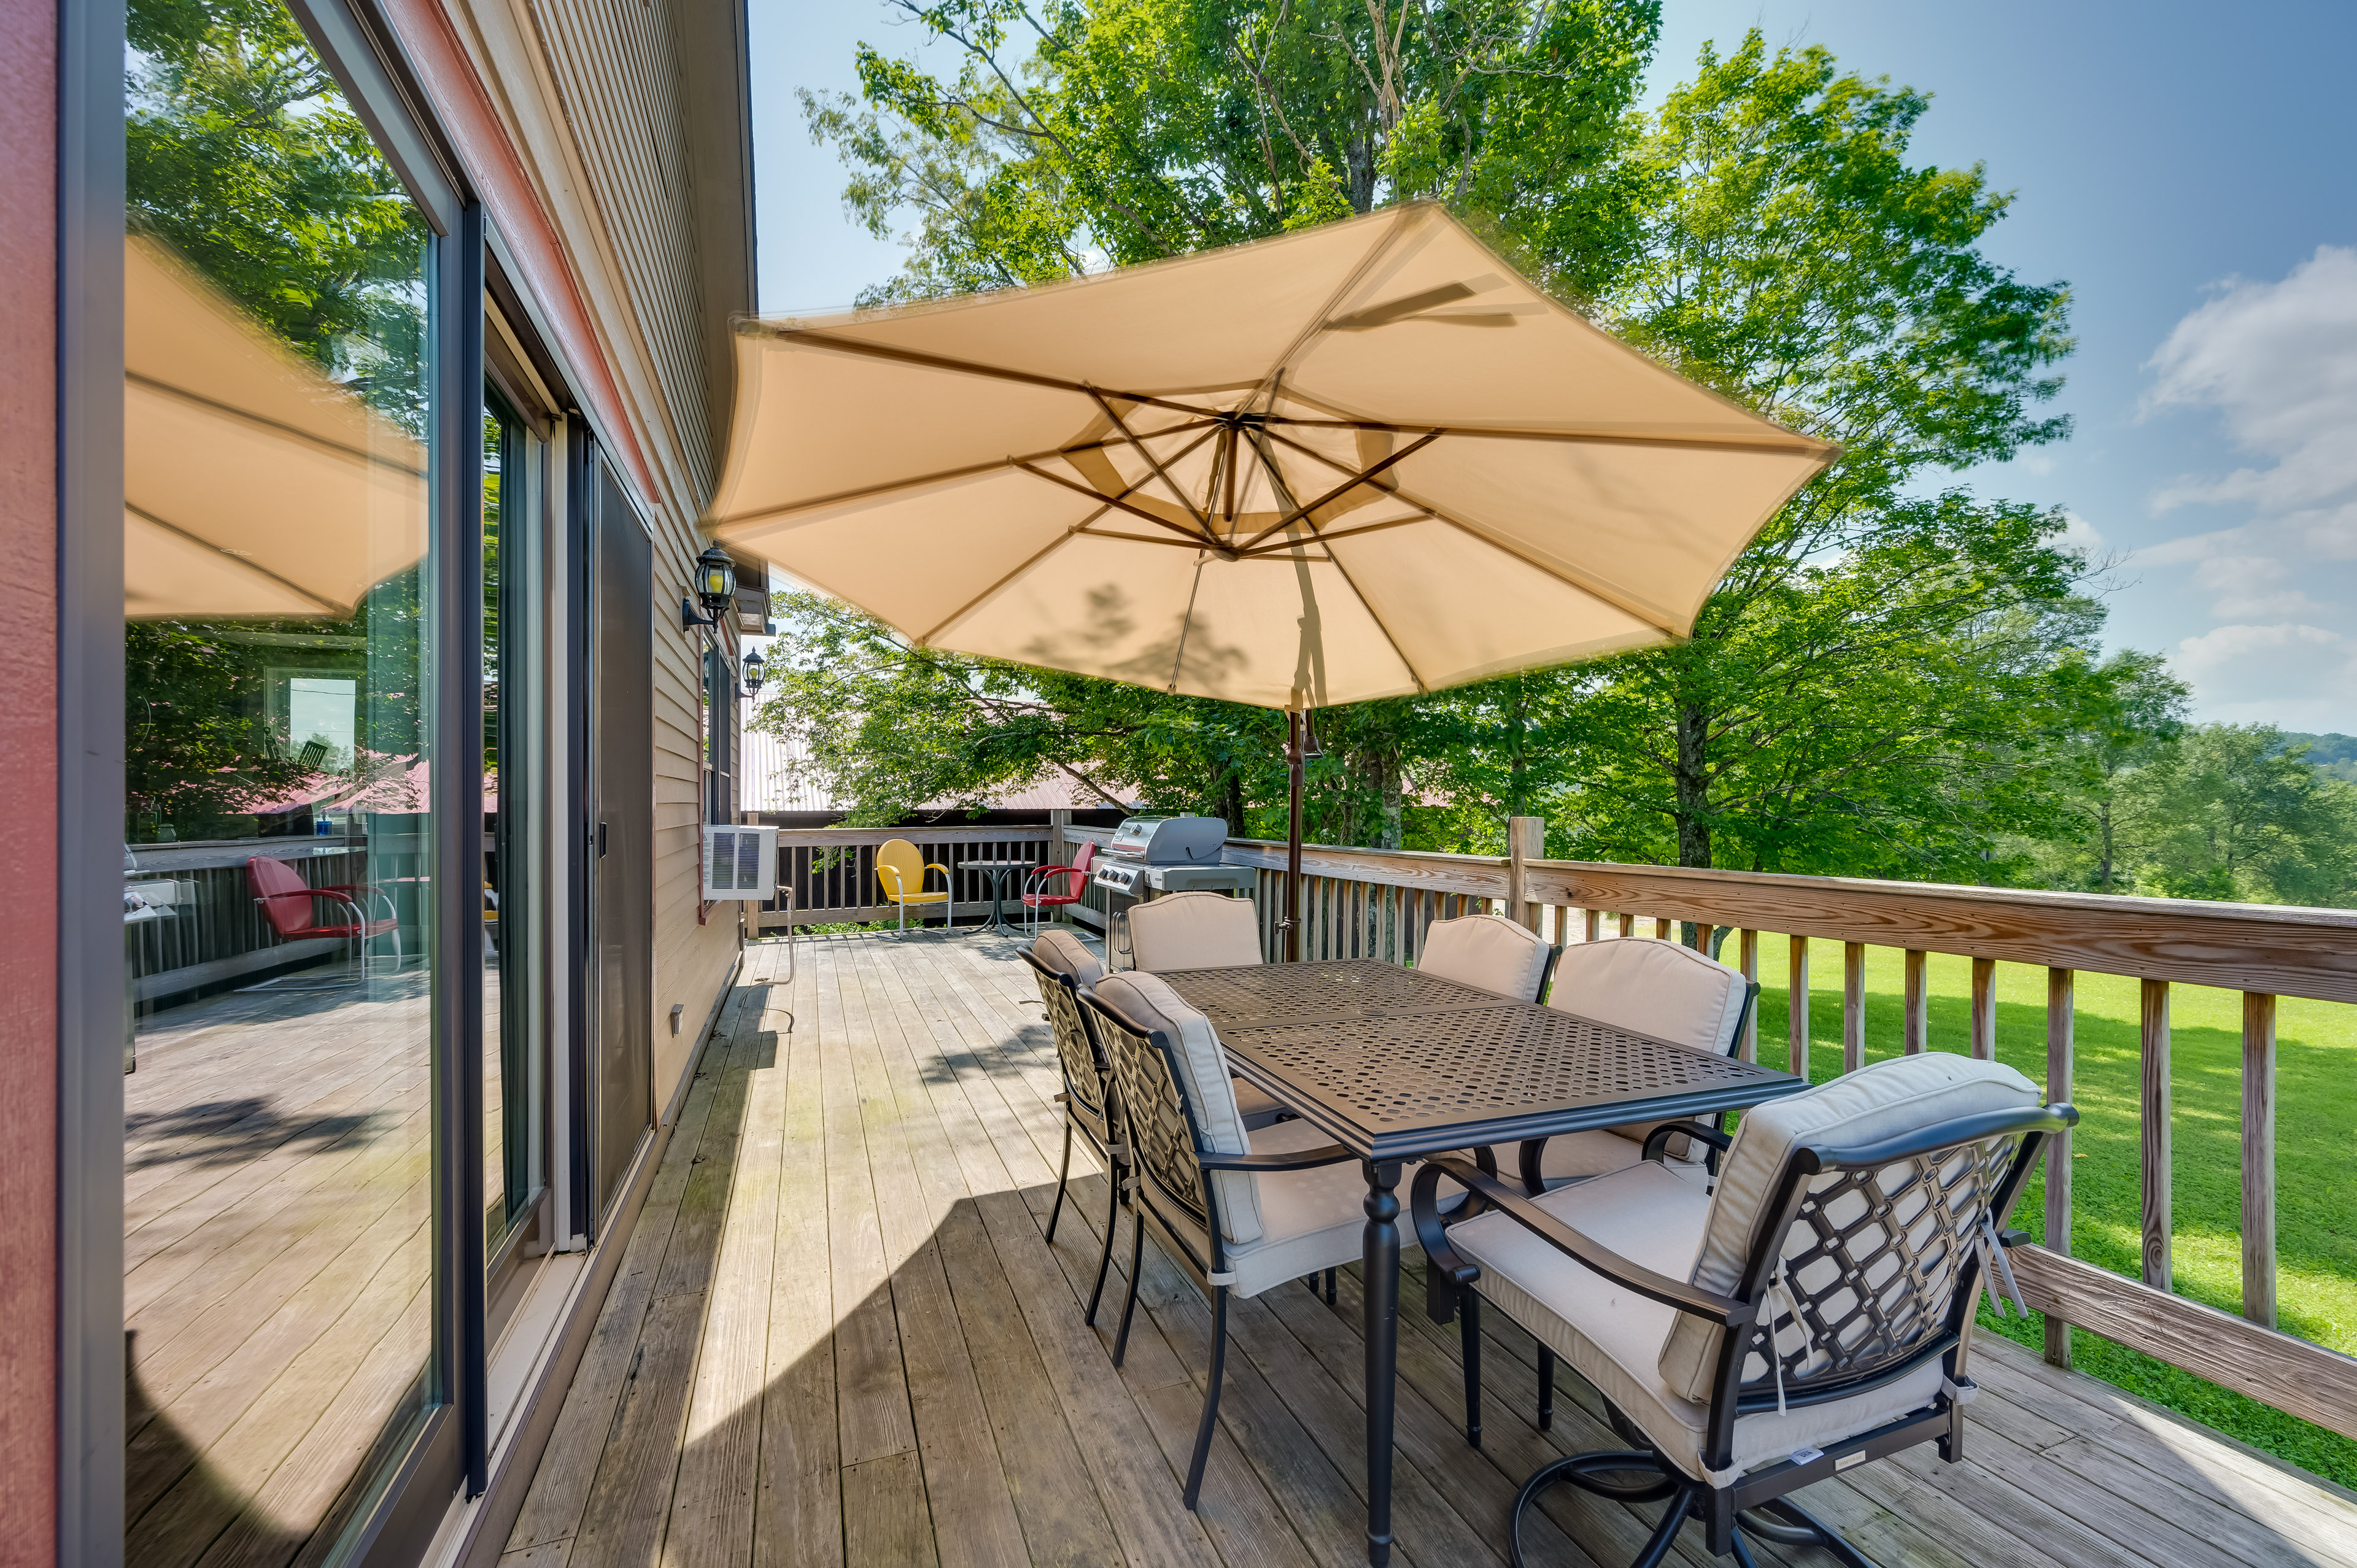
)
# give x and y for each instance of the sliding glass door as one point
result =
(280, 889)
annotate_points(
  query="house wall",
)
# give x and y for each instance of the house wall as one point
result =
(634, 209)
(28, 781)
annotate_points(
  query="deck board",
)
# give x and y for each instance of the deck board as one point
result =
(840, 1338)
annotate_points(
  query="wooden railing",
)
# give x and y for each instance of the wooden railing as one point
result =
(831, 872)
(1377, 903)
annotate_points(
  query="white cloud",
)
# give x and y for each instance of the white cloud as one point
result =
(2293, 674)
(2078, 533)
(2278, 361)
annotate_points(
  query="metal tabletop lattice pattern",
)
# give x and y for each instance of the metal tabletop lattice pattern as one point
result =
(1295, 992)
(1468, 1063)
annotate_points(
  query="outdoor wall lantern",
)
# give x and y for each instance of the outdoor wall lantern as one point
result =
(715, 586)
(753, 673)
(716, 580)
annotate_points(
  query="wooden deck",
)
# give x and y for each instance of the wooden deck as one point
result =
(837, 1337)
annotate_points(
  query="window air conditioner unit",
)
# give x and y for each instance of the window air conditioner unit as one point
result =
(741, 862)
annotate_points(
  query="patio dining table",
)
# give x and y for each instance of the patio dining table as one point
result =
(1394, 1065)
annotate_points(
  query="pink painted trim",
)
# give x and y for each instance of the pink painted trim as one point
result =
(465, 108)
(29, 782)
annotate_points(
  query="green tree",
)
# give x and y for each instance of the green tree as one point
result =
(2233, 813)
(2127, 713)
(1136, 129)
(1863, 692)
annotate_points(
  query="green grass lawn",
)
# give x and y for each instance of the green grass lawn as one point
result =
(2316, 1155)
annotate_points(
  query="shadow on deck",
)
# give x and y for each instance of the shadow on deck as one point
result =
(838, 1336)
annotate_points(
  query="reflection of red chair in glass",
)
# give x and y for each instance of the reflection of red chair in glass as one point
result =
(1077, 875)
(286, 903)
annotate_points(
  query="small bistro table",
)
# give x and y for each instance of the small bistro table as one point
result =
(999, 871)
(1394, 1065)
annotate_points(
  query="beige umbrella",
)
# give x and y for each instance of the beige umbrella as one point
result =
(1360, 461)
(252, 485)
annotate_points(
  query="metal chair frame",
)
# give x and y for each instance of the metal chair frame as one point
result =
(1034, 913)
(1172, 1165)
(1755, 1503)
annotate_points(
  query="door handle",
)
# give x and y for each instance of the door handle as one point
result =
(601, 841)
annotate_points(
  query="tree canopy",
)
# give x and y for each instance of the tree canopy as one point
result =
(1899, 677)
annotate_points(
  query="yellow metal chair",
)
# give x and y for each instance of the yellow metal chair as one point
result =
(900, 868)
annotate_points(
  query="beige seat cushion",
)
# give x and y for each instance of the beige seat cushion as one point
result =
(1884, 1100)
(1067, 954)
(1613, 1336)
(1194, 930)
(1600, 1151)
(1148, 1000)
(1487, 950)
(1656, 988)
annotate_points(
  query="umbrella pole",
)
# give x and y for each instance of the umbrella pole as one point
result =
(1295, 724)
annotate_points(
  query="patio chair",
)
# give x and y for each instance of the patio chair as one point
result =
(1490, 951)
(1065, 968)
(290, 905)
(900, 868)
(1193, 931)
(1203, 931)
(1655, 988)
(1038, 898)
(1811, 1316)
(1237, 1212)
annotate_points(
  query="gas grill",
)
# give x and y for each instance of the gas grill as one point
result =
(1153, 855)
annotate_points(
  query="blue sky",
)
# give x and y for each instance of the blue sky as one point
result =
(2190, 169)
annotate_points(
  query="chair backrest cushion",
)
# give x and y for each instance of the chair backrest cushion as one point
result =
(1194, 930)
(1067, 954)
(1652, 987)
(1487, 950)
(900, 858)
(1148, 1000)
(1885, 1100)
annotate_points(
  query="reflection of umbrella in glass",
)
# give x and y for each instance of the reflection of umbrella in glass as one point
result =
(252, 485)
(1361, 461)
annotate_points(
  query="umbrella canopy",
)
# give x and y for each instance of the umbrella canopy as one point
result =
(252, 485)
(1360, 461)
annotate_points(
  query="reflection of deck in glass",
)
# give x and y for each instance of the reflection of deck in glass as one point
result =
(275, 1253)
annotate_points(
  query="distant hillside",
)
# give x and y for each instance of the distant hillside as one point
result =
(2332, 754)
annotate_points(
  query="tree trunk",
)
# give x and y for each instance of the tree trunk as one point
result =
(2104, 857)
(1231, 805)
(1392, 792)
(1692, 779)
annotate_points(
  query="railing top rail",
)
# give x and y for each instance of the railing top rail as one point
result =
(2288, 951)
(825, 838)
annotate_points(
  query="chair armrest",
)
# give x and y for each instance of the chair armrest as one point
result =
(1302, 1159)
(1657, 1142)
(1726, 1311)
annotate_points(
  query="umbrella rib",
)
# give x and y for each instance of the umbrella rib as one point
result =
(1798, 446)
(772, 514)
(962, 367)
(243, 565)
(261, 422)
(1327, 538)
(991, 592)
(1612, 596)
(1152, 461)
(1073, 485)
(1345, 487)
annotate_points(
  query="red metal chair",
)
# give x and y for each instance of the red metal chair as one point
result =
(288, 904)
(1076, 874)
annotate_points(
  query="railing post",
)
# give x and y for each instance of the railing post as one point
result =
(1853, 1007)
(1747, 958)
(1525, 842)
(1591, 924)
(1917, 1030)
(2259, 1157)
(1058, 821)
(1796, 1006)
(2058, 1014)
(2155, 1129)
(1985, 1009)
